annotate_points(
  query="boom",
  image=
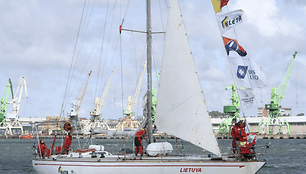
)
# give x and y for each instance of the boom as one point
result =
(17, 99)
(275, 101)
(76, 106)
(275, 97)
(131, 105)
(80, 99)
(99, 106)
(284, 85)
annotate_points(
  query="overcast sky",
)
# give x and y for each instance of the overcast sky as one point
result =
(40, 40)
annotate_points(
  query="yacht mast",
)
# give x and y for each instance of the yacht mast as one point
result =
(149, 71)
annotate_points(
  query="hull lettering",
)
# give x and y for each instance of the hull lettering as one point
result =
(190, 170)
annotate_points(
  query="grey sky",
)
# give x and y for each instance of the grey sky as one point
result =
(37, 41)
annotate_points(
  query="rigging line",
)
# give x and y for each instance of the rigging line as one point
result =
(155, 59)
(140, 70)
(102, 44)
(86, 28)
(106, 53)
(284, 73)
(122, 107)
(88, 58)
(134, 46)
(297, 87)
(104, 28)
(114, 51)
(225, 51)
(127, 8)
(82, 30)
(161, 18)
(93, 50)
(242, 109)
(69, 76)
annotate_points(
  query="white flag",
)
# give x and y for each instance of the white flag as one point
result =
(229, 20)
(246, 97)
(247, 73)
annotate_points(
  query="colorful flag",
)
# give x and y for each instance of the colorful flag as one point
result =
(247, 73)
(232, 45)
(229, 20)
(218, 4)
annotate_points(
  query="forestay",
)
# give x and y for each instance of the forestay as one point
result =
(181, 109)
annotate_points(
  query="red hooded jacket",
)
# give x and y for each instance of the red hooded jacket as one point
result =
(140, 135)
(68, 141)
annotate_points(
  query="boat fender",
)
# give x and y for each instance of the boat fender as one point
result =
(97, 147)
(156, 149)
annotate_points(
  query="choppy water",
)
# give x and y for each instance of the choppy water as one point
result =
(283, 157)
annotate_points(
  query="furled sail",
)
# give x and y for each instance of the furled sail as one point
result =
(181, 109)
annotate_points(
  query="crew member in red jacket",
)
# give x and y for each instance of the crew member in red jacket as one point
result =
(42, 149)
(241, 133)
(67, 143)
(138, 141)
(234, 135)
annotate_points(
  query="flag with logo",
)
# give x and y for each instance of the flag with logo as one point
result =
(229, 20)
(218, 4)
(232, 45)
(246, 96)
(247, 73)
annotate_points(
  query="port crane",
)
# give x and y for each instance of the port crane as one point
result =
(232, 111)
(154, 99)
(16, 105)
(4, 101)
(128, 112)
(96, 115)
(76, 107)
(274, 106)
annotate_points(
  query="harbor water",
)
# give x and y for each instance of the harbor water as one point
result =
(283, 157)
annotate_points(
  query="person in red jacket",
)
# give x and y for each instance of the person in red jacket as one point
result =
(242, 135)
(138, 141)
(235, 138)
(67, 143)
(238, 135)
(42, 149)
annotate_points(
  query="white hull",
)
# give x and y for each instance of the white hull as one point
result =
(145, 166)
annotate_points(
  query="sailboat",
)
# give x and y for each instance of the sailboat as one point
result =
(181, 111)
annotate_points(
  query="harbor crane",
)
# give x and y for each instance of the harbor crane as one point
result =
(232, 111)
(274, 106)
(96, 115)
(16, 105)
(154, 99)
(76, 107)
(128, 112)
(4, 101)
